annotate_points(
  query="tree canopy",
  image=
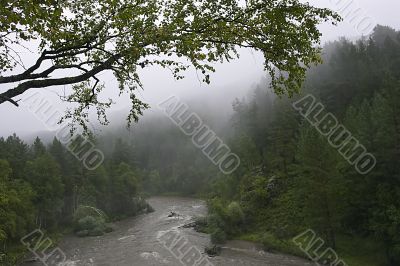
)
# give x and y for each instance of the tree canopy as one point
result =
(78, 40)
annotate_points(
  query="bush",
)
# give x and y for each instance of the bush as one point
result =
(394, 254)
(235, 214)
(82, 233)
(216, 221)
(91, 226)
(85, 211)
(218, 236)
(139, 205)
(149, 208)
(201, 224)
(88, 223)
(133, 206)
(97, 231)
(273, 243)
(225, 221)
(269, 242)
(108, 229)
(212, 251)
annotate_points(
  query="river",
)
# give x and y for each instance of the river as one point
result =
(142, 241)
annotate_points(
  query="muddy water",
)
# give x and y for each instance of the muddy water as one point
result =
(136, 241)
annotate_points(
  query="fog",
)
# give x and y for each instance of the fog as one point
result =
(231, 80)
(226, 173)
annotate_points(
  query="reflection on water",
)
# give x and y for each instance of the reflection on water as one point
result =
(135, 241)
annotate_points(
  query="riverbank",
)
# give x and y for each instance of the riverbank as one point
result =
(136, 241)
(353, 251)
(17, 253)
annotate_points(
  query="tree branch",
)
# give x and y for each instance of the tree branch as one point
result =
(47, 55)
(21, 88)
(7, 99)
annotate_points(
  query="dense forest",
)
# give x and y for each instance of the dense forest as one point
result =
(46, 187)
(290, 178)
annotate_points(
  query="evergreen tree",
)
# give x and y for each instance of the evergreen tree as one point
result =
(38, 148)
(16, 208)
(320, 186)
(43, 174)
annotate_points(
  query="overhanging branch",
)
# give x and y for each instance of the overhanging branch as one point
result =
(21, 88)
(7, 99)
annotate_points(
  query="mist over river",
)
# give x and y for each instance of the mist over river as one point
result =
(136, 241)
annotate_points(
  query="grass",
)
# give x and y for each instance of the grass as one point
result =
(361, 251)
(273, 244)
(353, 251)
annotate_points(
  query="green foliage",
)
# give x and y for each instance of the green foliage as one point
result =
(124, 186)
(84, 211)
(224, 221)
(235, 214)
(292, 179)
(87, 223)
(122, 37)
(201, 224)
(43, 174)
(91, 226)
(218, 236)
(17, 211)
(41, 186)
(273, 243)
(38, 148)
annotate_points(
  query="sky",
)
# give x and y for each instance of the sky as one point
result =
(231, 80)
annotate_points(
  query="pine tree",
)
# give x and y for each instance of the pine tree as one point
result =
(318, 184)
(385, 213)
(38, 148)
(43, 174)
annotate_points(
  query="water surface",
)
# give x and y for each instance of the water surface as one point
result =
(137, 241)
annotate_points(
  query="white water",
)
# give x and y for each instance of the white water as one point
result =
(136, 241)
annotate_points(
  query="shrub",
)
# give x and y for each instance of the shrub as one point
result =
(108, 229)
(97, 231)
(394, 254)
(88, 223)
(82, 233)
(216, 221)
(218, 236)
(91, 226)
(212, 251)
(201, 224)
(149, 208)
(235, 214)
(85, 211)
(269, 241)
